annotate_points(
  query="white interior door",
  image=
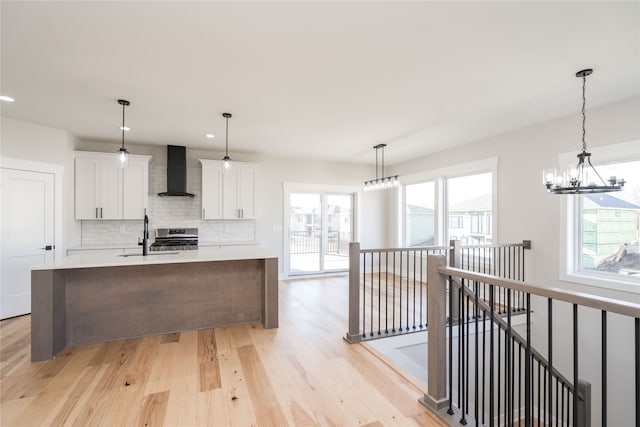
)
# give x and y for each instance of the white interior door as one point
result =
(27, 235)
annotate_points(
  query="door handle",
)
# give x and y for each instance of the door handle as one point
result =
(48, 247)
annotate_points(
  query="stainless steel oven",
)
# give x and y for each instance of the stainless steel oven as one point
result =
(175, 239)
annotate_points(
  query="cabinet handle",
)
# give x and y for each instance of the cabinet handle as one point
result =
(242, 213)
(97, 213)
(101, 216)
(204, 213)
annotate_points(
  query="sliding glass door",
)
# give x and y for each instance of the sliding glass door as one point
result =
(320, 229)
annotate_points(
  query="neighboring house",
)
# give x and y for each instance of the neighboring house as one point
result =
(608, 224)
(305, 226)
(470, 221)
(420, 226)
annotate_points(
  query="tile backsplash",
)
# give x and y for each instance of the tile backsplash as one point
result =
(169, 212)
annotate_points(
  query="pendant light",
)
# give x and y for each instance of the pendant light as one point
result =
(123, 154)
(226, 159)
(381, 181)
(582, 178)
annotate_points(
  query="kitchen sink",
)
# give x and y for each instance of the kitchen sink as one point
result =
(155, 253)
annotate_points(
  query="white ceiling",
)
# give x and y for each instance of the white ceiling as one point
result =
(325, 80)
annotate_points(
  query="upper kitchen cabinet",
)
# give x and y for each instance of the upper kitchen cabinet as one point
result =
(135, 187)
(106, 190)
(228, 193)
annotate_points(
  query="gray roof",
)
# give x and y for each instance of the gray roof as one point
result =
(479, 203)
(605, 200)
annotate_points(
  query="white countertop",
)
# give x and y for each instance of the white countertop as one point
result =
(204, 254)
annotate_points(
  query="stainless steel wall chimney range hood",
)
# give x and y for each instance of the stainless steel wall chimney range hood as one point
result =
(176, 172)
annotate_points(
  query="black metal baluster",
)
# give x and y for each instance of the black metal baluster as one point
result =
(637, 372)
(371, 314)
(386, 292)
(499, 330)
(364, 295)
(408, 284)
(519, 382)
(509, 363)
(477, 321)
(379, 292)
(491, 348)
(450, 410)
(604, 368)
(539, 401)
(400, 308)
(467, 319)
(562, 403)
(544, 392)
(463, 375)
(527, 365)
(484, 359)
(550, 356)
(393, 306)
(509, 250)
(460, 342)
(556, 412)
(414, 289)
(421, 286)
(575, 363)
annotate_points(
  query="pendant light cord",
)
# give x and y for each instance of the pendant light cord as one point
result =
(584, 101)
(226, 144)
(123, 105)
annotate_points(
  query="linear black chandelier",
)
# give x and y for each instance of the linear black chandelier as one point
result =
(578, 180)
(381, 181)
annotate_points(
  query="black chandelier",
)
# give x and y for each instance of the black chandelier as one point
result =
(381, 181)
(580, 180)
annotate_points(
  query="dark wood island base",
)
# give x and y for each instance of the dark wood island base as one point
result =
(73, 306)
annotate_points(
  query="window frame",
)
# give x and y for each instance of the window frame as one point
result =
(440, 177)
(571, 223)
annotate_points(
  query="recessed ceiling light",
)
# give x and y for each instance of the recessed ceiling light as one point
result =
(6, 98)
(124, 128)
(209, 135)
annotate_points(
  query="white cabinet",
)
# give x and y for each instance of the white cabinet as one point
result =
(106, 190)
(228, 193)
(135, 187)
(211, 189)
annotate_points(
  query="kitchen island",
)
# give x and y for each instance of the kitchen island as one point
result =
(89, 298)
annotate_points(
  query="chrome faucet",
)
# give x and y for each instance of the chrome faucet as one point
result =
(145, 236)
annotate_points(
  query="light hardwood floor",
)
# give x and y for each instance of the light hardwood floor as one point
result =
(301, 374)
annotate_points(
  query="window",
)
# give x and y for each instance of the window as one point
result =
(470, 207)
(602, 244)
(420, 214)
(451, 203)
(609, 225)
(455, 221)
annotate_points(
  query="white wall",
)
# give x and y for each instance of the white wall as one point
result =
(28, 141)
(527, 211)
